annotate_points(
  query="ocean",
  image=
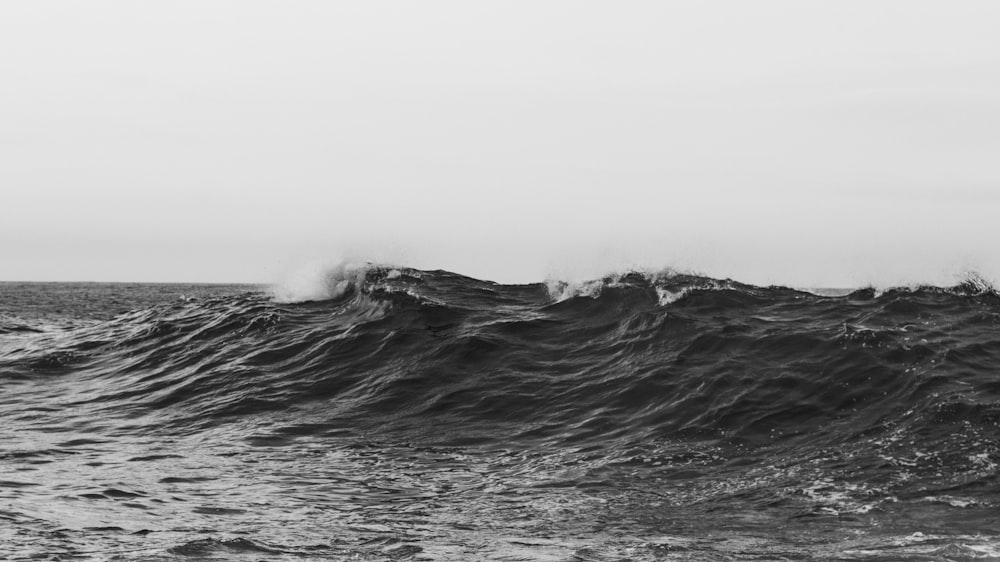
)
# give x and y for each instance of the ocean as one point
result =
(399, 414)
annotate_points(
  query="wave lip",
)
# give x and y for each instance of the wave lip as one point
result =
(320, 283)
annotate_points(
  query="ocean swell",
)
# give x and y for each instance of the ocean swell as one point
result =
(611, 359)
(397, 405)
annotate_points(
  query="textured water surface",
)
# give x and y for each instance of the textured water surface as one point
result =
(423, 415)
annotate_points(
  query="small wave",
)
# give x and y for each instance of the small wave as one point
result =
(970, 284)
(14, 325)
(560, 291)
(668, 285)
(330, 282)
(975, 284)
(318, 283)
(210, 547)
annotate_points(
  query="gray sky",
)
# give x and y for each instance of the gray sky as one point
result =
(797, 142)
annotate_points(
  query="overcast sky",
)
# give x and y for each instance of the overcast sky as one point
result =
(803, 143)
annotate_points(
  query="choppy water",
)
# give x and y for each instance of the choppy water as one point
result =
(423, 415)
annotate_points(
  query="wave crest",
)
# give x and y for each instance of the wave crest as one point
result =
(328, 282)
(668, 285)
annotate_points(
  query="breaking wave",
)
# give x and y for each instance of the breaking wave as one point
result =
(703, 393)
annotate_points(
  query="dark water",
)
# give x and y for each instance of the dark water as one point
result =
(415, 415)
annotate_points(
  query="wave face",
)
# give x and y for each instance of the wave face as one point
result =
(427, 415)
